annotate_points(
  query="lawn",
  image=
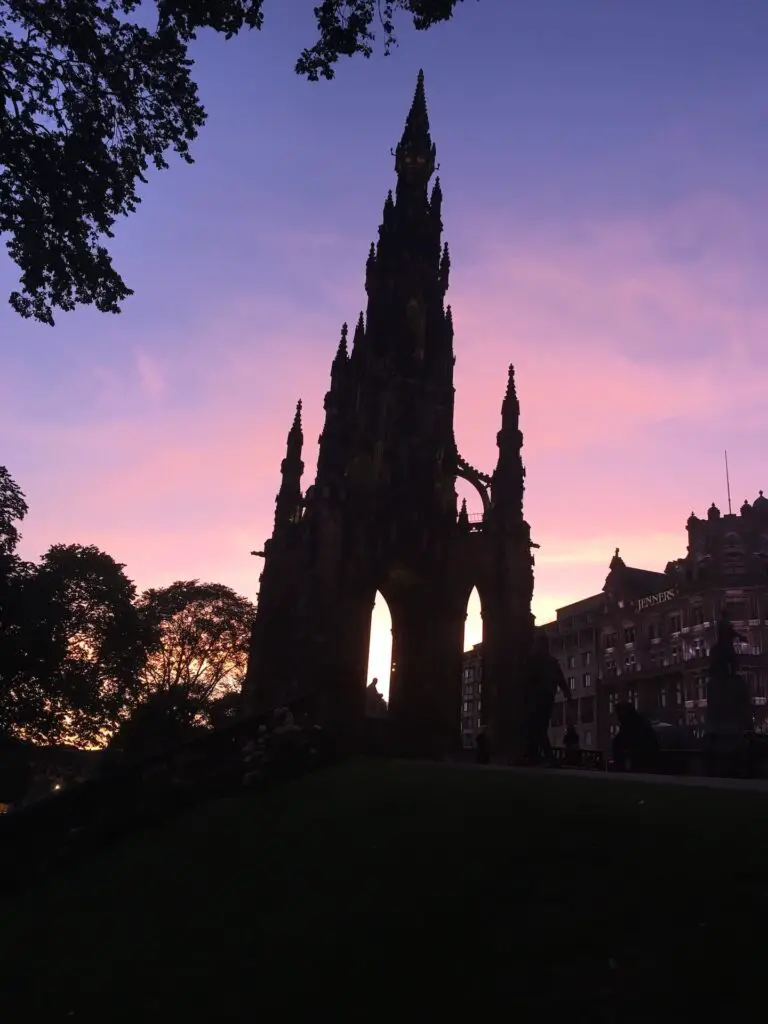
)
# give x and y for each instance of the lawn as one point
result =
(388, 891)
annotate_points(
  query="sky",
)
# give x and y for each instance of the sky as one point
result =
(604, 169)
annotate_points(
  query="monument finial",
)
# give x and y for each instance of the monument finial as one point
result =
(295, 438)
(416, 151)
(463, 514)
(510, 407)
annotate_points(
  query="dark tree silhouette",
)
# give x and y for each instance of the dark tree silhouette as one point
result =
(194, 676)
(223, 711)
(204, 630)
(91, 97)
(77, 650)
(161, 720)
(13, 575)
(15, 770)
(13, 508)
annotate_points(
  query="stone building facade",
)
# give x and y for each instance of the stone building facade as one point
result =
(647, 635)
(472, 711)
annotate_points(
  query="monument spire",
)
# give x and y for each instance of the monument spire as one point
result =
(509, 478)
(294, 445)
(288, 501)
(415, 153)
(407, 270)
(510, 407)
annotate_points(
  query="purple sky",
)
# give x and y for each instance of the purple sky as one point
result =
(604, 167)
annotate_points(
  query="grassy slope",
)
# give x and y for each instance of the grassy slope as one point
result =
(377, 887)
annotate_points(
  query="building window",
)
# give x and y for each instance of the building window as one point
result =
(467, 703)
(609, 640)
(610, 667)
(697, 615)
(571, 682)
(629, 662)
(470, 675)
(662, 697)
(588, 738)
(654, 630)
(675, 623)
(586, 658)
(629, 635)
(587, 709)
(586, 680)
(571, 661)
(632, 697)
(679, 694)
(675, 655)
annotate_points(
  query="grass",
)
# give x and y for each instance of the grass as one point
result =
(383, 891)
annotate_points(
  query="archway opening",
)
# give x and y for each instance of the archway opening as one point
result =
(465, 491)
(380, 646)
(473, 626)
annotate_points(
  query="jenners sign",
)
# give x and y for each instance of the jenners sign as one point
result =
(654, 599)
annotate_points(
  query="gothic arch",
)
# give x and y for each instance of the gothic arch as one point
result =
(477, 479)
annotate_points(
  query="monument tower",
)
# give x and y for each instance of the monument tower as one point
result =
(382, 512)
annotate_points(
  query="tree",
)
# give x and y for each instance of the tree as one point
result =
(162, 720)
(13, 574)
(13, 508)
(194, 675)
(78, 650)
(91, 98)
(204, 631)
(15, 770)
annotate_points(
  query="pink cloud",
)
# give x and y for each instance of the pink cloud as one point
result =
(151, 378)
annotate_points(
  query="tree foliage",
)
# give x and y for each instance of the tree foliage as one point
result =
(161, 720)
(204, 631)
(194, 675)
(91, 98)
(13, 508)
(72, 663)
(82, 659)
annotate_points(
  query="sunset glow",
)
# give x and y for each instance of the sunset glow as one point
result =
(604, 203)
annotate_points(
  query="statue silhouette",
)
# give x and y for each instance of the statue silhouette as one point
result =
(723, 658)
(729, 703)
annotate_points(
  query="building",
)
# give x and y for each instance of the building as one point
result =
(382, 512)
(646, 637)
(472, 696)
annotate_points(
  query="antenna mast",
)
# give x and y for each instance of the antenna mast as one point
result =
(728, 483)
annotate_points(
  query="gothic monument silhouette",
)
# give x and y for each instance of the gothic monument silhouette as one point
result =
(382, 512)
